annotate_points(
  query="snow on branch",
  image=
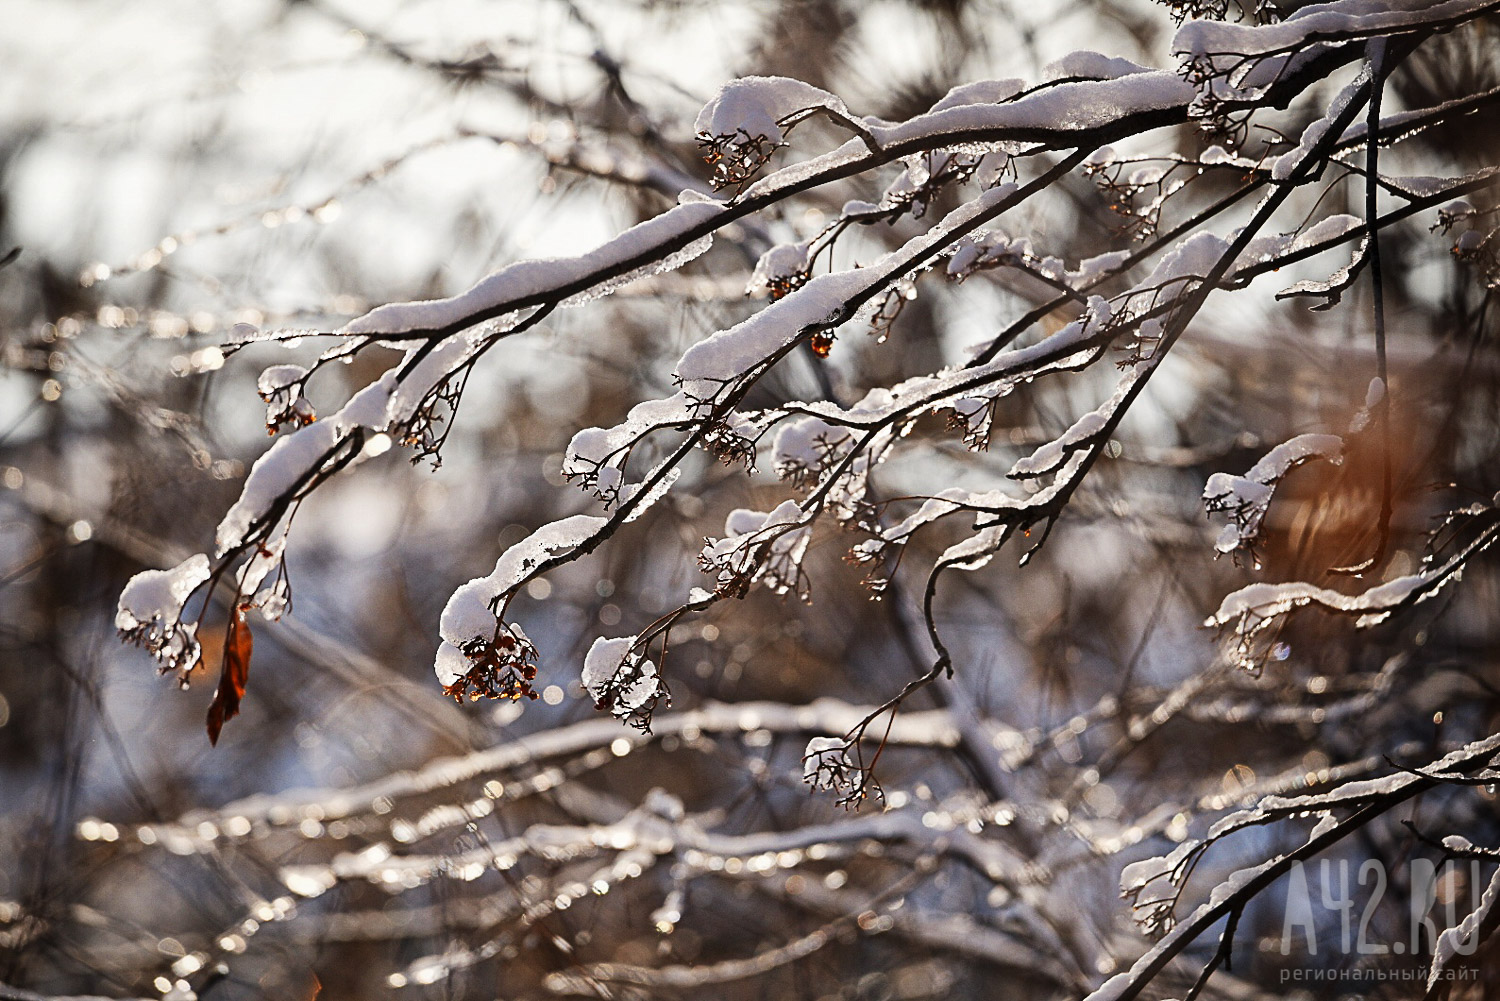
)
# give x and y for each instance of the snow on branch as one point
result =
(1463, 939)
(636, 253)
(620, 679)
(480, 654)
(1247, 498)
(151, 610)
(1255, 609)
(990, 154)
(1237, 65)
(1155, 884)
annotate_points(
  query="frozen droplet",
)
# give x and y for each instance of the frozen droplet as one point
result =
(1281, 651)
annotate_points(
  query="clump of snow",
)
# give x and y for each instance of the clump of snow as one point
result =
(807, 447)
(1152, 884)
(450, 665)
(150, 613)
(1374, 394)
(595, 458)
(472, 612)
(758, 105)
(994, 511)
(264, 560)
(779, 269)
(603, 660)
(621, 679)
(1248, 497)
(1216, 155)
(826, 763)
(469, 613)
(1194, 257)
(1091, 269)
(277, 378)
(979, 92)
(760, 547)
(1100, 158)
(281, 387)
(809, 451)
(994, 249)
(976, 551)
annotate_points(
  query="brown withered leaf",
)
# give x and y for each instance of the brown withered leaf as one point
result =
(236, 670)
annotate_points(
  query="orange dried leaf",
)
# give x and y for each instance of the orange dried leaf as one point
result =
(236, 670)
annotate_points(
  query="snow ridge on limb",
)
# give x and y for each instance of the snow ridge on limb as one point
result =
(1048, 116)
(1366, 798)
(1073, 346)
(715, 368)
(583, 276)
(1058, 116)
(723, 358)
(1342, 21)
(1463, 938)
(1256, 608)
(1240, 64)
